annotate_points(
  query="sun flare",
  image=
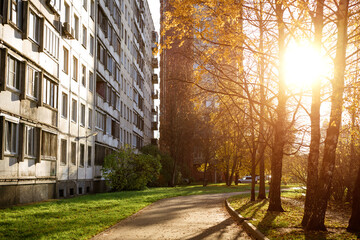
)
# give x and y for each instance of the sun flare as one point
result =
(303, 65)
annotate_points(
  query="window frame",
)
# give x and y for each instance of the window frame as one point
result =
(82, 155)
(83, 75)
(66, 60)
(75, 71)
(63, 157)
(84, 36)
(36, 74)
(64, 105)
(82, 114)
(33, 141)
(34, 30)
(48, 99)
(13, 150)
(74, 108)
(73, 147)
(16, 73)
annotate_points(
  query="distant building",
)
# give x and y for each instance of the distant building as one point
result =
(177, 126)
(76, 82)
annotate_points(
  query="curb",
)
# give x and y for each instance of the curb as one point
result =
(249, 228)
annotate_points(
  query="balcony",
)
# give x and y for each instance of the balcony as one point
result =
(155, 95)
(154, 141)
(154, 126)
(154, 79)
(154, 62)
(154, 110)
(68, 31)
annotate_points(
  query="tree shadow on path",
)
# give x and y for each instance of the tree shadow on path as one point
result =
(218, 229)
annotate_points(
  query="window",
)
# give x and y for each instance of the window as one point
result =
(34, 27)
(33, 82)
(100, 120)
(109, 64)
(16, 12)
(67, 13)
(63, 156)
(66, 61)
(115, 128)
(76, 27)
(13, 80)
(11, 137)
(64, 105)
(101, 53)
(82, 153)
(83, 75)
(75, 68)
(91, 81)
(74, 111)
(89, 156)
(90, 119)
(73, 153)
(84, 36)
(85, 4)
(92, 9)
(31, 141)
(82, 119)
(49, 92)
(49, 145)
(91, 45)
(51, 44)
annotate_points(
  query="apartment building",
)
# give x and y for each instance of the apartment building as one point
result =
(124, 73)
(75, 84)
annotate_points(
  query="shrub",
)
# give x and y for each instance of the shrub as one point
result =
(126, 170)
(167, 164)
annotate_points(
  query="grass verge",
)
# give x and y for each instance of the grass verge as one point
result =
(287, 225)
(85, 216)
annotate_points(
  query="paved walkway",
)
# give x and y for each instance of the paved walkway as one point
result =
(186, 217)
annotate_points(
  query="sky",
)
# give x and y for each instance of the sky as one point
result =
(155, 12)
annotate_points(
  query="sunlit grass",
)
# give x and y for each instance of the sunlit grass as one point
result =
(83, 217)
(286, 225)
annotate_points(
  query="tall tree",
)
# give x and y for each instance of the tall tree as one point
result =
(313, 158)
(317, 216)
(280, 125)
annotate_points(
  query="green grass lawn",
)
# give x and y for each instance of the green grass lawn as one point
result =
(83, 217)
(286, 225)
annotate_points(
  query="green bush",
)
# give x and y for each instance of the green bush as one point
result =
(167, 165)
(127, 170)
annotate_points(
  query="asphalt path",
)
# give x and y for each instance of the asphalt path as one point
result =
(185, 217)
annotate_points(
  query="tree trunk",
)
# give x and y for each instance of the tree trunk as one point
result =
(262, 192)
(317, 217)
(354, 222)
(262, 145)
(253, 175)
(236, 178)
(313, 158)
(279, 128)
(205, 178)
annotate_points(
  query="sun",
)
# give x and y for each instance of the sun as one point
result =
(303, 65)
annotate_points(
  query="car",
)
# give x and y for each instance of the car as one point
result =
(248, 179)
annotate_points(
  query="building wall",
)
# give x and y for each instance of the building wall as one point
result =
(57, 122)
(177, 127)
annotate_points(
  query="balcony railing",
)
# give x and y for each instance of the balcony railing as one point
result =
(154, 79)
(154, 62)
(154, 126)
(155, 95)
(154, 110)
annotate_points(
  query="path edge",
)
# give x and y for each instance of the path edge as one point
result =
(249, 228)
